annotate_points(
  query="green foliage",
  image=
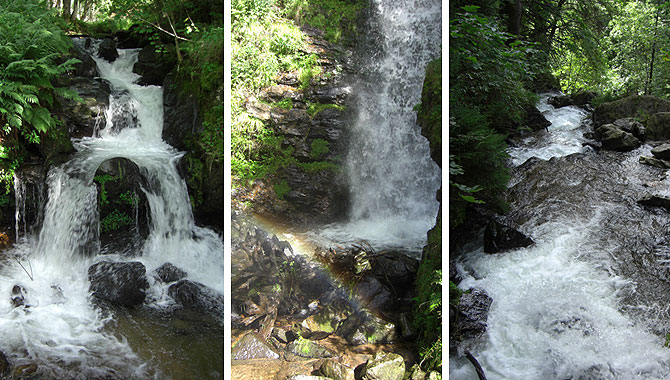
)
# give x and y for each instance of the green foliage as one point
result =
(454, 294)
(129, 197)
(102, 179)
(114, 221)
(319, 148)
(337, 18)
(286, 104)
(282, 189)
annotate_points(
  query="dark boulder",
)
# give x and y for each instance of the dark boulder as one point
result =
(652, 161)
(583, 98)
(472, 314)
(32, 195)
(87, 67)
(395, 269)
(196, 296)
(658, 126)
(499, 237)
(252, 346)
(83, 119)
(122, 283)
(561, 101)
(662, 152)
(367, 328)
(615, 138)
(18, 296)
(373, 294)
(534, 120)
(655, 201)
(107, 50)
(632, 126)
(168, 273)
(152, 67)
(131, 38)
(181, 116)
(4, 364)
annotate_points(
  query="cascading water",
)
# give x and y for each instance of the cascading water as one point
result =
(392, 179)
(589, 300)
(62, 331)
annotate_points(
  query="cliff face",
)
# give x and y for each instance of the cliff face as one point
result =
(310, 122)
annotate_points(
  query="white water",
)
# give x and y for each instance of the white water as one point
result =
(62, 331)
(557, 310)
(392, 178)
(563, 137)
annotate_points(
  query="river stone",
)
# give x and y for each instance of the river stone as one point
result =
(534, 120)
(373, 294)
(395, 268)
(326, 320)
(560, 101)
(307, 349)
(416, 373)
(583, 98)
(123, 283)
(473, 309)
(654, 162)
(662, 152)
(655, 201)
(87, 67)
(307, 377)
(499, 237)
(168, 273)
(614, 138)
(631, 126)
(366, 328)
(407, 331)
(252, 346)
(4, 364)
(196, 296)
(18, 296)
(336, 371)
(632, 106)
(384, 366)
(658, 126)
(107, 50)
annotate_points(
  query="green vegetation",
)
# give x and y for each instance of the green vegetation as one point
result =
(102, 180)
(319, 148)
(314, 108)
(336, 18)
(115, 220)
(282, 189)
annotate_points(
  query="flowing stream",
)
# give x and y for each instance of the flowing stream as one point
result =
(62, 331)
(590, 299)
(392, 178)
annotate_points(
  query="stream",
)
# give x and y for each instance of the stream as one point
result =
(61, 331)
(590, 299)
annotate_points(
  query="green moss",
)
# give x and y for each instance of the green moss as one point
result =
(319, 148)
(336, 18)
(114, 221)
(129, 197)
(102, 179)
(317, 166)
(286, 104)
(281, 189)
(314, 108)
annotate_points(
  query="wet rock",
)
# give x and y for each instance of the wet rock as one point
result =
(394, 268)
(384, 366)
(31, 195)
(82, 119)
(499, 237)
(87, 67)
(654, 162)
(583, 98)
(26, 371)
(336, 371)
(18, 296)
(168, 272)
(534, 120)
(327, 320)
(151, 66)
(473, 309)
(632, 126)
(561, 101)
(107, 50)
(662, 152)
(373, 294)
(632, 106)
(658, 126)
(252, 346)
(4, 364)
(196, 296)
(330, 94)
(181, 114)
(366, 328)
(615, 138)
(655, 201)
(123, 283)
(283, 335)
(407, 331)
(306, 349)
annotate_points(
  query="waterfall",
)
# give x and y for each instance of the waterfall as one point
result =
(62, 331)
(392, 179)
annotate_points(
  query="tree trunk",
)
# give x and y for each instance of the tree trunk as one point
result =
(75, 9)
(86, 12)
(514, 13)
(66, 9)
(647, 86)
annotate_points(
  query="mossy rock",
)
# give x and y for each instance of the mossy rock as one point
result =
(429, 115)
(640, 107)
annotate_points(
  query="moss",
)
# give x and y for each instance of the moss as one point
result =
(114, 221)
(317, 166)
(429, 111)
(319, 147)
(315, 108)
(102, 179)
(281, 189)
(336, 18)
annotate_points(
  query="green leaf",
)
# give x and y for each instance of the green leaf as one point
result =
(471, 199)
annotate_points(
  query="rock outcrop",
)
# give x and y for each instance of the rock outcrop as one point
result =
(122, 283)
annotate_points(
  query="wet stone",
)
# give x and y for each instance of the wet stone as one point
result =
(4, 364)
(168, 272)
(499, 237)
(18, 296)
(306, 349)
(252, 346)
(123, 283)
(367, 328)
(336, 371)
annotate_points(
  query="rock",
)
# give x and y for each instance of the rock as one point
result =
(29, 184)
(662, 152)
(366, 328)
(252, 346)
(394, 268)
(632, 126)
(167, 273)
(407, 331)
(307, 377)
(373, 294)
(560, 101)
(25, 371)
(306, 349)
(107, 50)
(583, 98)
(18, 296)
(283, 336)
(151, 66)
(655, 201)
(196, 296)
(87, 67)
(499, 237)
(123, 283)
(615, 138)
(473, 309)
(336, 371)
(632, 106)
(327, 319)
(434, 375)
(83, 119)
(534, 120)
(654, 162)
(4, 364)
(416, 373)
(181, 114)
(658, 126)
(384, 366)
